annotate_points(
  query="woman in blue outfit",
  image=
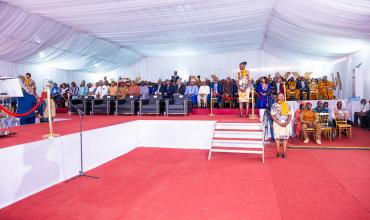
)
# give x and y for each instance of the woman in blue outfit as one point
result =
(263, 93)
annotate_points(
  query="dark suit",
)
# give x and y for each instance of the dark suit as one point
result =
(180, 89)
(219, 91)
(170, 91)
(302, 85)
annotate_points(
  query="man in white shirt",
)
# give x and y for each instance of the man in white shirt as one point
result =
(361, 114)
(203, 93)
(104, 89)
(98, 90)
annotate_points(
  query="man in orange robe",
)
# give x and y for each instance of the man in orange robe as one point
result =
(326, 88)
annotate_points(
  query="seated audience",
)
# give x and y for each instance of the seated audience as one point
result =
(292, 90)
(144, 90)
(303, 88)
(113, 89)
(297, 120)
(310, 119)
(319, 108)
(84, 90)
(203, 93)
(74, 91)
(326, 89)
(179, 88)
(362, 114)
(216, 90)
(133, 89)
(340, 113)
(122, 90)
(227, 91)
(192, 91)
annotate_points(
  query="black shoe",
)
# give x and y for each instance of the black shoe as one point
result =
(278, 154)
(284, 155)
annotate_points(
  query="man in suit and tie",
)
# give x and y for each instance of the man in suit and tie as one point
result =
(179, 87)
(216, 90)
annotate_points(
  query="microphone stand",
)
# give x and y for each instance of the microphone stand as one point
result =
(81, 173)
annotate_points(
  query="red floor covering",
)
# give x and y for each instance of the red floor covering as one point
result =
(30, 133)
(154, 184)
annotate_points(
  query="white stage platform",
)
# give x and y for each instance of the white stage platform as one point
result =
(29, 168)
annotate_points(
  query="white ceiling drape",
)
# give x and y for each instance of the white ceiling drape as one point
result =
(33, 39)
(103, 35)
(288, 29)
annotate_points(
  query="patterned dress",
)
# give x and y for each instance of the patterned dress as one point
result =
(280, 132)
(244, 88)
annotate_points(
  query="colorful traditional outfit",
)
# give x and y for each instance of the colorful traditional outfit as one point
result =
(326, 90)
(244, 77)
(281, 111)
(309, 119)
(292, 90)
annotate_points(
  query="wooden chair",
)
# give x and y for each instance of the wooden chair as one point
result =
(324, 122)
(304, 96)
(314, 95)
(342, 126)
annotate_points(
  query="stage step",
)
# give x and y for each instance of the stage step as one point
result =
(238, 138)
(224, 133)
(239, 126)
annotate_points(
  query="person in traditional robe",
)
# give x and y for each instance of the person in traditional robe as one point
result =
(303, 88)
(122, 90)
(262, 93)
(314, 89)
(244, 82)
(192, 92)
(113, 89)
(203, 93)
(310, 119)
(30, 84)
(297, 120)
(282, 116)
(227, 91)
(292, 90)
(326, 89)
(133, 89)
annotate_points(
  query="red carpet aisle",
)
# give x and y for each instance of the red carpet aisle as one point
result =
(152, 183)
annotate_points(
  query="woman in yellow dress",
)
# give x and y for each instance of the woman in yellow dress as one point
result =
(244, 82)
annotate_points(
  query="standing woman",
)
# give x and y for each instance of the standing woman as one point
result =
(282, 116)
(263, 93)
(244, 87)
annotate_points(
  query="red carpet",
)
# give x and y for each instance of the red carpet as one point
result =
(152, 183)
(31, 133)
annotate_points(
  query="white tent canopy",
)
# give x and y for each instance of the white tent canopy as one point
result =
(289, 29)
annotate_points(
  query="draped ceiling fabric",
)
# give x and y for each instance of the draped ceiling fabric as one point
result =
(32, 39)
(288, 29)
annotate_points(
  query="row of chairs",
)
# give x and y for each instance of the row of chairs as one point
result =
(131, 105)
(341, 127)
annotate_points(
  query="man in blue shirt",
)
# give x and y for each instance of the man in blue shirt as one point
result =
(192, 92)
(25, 103)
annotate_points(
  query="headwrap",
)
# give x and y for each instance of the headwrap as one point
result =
(284, 107)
